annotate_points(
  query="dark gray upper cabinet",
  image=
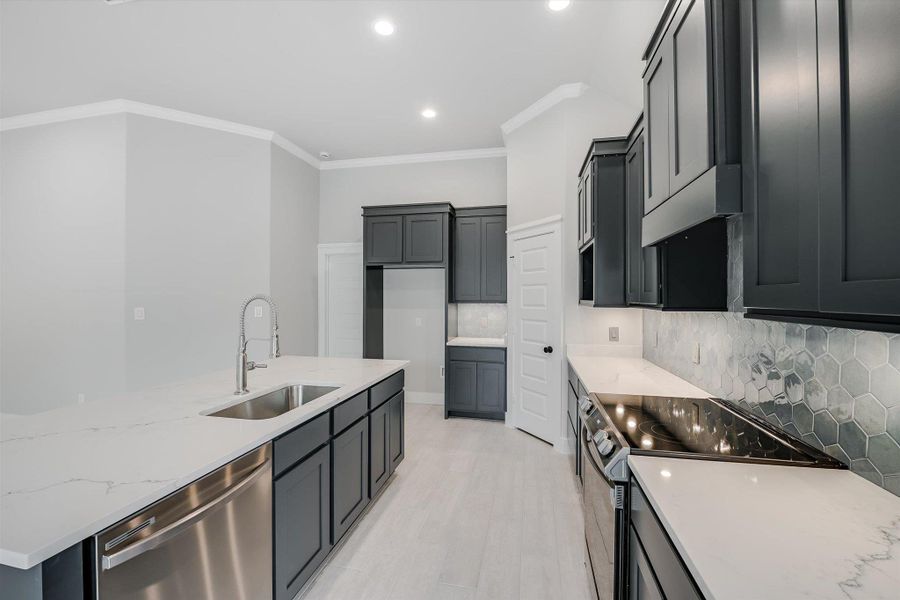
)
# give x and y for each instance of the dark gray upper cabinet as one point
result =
(643, 278)
(477, 382)
(692, 112)
(350, 477)
(603, 259)
(410, 235)
(424, 238)
(859, 104)
(479, 255)
(821, 99)
(384, 239)
(302, 514)
(780, 154)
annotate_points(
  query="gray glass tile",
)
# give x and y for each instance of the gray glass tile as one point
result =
(828, 371)
(840, 344)
(804, 365)
(893, 423)
(836, 452)
(784, 359)
(892, 484)
(758, 374)
(825, 428)
(815, 395)
(795, 337)
(751, 394)
(854, 377)
(864, 468)
(793, 387)
(872, 348)
(884, 454)
(885, 385)
(869, 413)
(852, 439)
(792, 429)
(766, 401)
(894, 353)
(802, 418)
(816, 341)
(840, 404)
(812, 440)
(775, 382)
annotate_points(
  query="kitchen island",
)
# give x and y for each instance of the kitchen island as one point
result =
(69, 473)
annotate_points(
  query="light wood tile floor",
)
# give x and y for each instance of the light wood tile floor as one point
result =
(475, 511)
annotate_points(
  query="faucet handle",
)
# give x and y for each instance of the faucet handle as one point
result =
(255, 365)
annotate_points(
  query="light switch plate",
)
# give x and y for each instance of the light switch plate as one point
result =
(696, 353)
(139, 314)
(418, 321)
(614, 334)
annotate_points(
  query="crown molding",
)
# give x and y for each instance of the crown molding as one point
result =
(406, 159)
(120, 106)
(563, 92)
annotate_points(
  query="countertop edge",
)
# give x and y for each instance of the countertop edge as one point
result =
(23, 561)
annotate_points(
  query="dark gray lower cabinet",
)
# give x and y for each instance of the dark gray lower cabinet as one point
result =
(476, 385)
(642, 583)
(379, 463)
(350, 477)
(302, 497)
(396, 434)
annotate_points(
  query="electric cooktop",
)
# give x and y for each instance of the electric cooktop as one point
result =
(703, 428)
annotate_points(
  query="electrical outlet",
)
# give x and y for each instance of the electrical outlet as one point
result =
(418, 321)
(696, 353)
(655, 339)
(442, 371)
(257, 312)
(139, 314)
(614, 334)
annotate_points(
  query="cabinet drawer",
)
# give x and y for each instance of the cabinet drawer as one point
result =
(297, 443)
(670, 572)
(580, 389)
(382, 391)
(348, 412)
(478, 354)
(573, 378)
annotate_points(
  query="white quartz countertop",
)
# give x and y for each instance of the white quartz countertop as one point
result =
(749, 531)
(624, 375)
(69, 473)
(484, 342)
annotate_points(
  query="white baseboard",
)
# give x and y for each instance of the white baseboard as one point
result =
(432, 398)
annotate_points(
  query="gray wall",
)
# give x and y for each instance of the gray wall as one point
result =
(475, 182)
(104, 215)
(62, 263)
(838, 389)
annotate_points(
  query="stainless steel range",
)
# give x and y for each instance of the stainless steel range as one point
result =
(614, 426)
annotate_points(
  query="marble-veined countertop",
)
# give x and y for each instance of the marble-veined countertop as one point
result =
(750, 531)
(612, 374)
(69, 473)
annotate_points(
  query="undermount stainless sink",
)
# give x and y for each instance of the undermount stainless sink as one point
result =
(275, 403)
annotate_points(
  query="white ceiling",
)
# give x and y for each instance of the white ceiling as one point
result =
(315, 72)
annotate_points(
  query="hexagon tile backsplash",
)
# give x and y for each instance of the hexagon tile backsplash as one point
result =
(837, 389)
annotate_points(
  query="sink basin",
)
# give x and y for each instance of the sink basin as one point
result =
(274, 403)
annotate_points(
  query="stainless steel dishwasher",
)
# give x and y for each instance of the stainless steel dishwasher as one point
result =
(211, 539)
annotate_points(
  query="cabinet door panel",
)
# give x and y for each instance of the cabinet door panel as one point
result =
(467, 257)
(588, 204)
(424, 240)
(690, 138)
(384, 239)
(649, 275)
(491, 384)
(350, 475)
(302, 518)
(462, 385)
(642, 581)
(493, 259)
(581, 236)
(656, 102)
(859, 87)
(396, 430)
(379, 463)
(780, 154)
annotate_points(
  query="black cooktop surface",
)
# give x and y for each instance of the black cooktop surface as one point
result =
(699, 426)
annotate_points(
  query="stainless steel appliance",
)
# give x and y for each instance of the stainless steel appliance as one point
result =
(211, 539)
(614, 426)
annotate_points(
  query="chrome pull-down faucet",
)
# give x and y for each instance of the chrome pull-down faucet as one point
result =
(244, 365)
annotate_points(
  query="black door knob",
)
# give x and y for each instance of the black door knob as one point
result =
(548, 349)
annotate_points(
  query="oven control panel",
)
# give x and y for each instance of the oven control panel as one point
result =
(603, 440)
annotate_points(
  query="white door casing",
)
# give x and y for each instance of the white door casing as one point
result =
(340, 299)
(536, 318)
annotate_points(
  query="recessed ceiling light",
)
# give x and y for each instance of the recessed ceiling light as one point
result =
(383, 27)
(429, 113)
(558, 5)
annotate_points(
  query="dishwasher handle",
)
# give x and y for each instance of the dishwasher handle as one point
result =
(174, 529)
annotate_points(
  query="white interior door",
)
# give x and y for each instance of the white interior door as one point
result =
(340, 300)
(536, 286)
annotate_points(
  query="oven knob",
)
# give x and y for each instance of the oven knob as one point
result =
(605, 447)
(600, 436)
